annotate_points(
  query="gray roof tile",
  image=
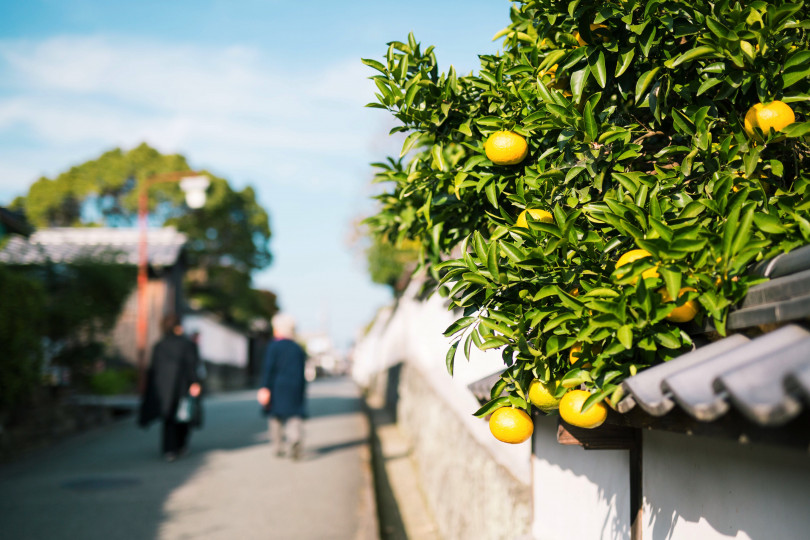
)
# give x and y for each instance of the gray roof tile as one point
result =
(751, 375)
(758, 389)
(645, 388)
(110, 244)
(786, 263)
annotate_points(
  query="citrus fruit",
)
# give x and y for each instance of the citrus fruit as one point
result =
(634, 255)
(511, 425)
(542, 395)
(537, 214)
(506, 148)
(776, 115)
(684, 313)
(576, 351)
(571, 410)
(582, 42)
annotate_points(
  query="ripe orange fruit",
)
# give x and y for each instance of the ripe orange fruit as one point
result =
(537, 214)
(582, 42)
(506, 148)
(542, 395)
(571, 410)
(511, 425)
(634, 255)
(684, 313)
(776, 115)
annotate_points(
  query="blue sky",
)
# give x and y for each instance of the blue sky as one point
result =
(263, 93)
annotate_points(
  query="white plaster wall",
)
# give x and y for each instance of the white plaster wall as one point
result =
(705, 489)
(218, 344)
(578, 493)
(413, 332)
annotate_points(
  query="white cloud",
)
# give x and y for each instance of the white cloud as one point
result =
(98, 90)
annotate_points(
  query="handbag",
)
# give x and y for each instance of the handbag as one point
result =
(183, 410)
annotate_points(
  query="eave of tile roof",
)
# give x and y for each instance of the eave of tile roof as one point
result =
(115, 245)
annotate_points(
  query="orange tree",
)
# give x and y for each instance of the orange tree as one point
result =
(635, 115)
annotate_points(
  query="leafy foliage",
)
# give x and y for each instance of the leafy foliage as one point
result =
(21, 317)
(390, 264)
(633, 113)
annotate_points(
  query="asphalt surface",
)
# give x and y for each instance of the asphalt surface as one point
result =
(112, 483)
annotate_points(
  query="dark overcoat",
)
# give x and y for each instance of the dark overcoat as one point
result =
(283, 375)
(172, 371)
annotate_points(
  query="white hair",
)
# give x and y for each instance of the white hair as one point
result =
(283, 325)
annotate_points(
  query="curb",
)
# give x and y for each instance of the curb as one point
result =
(401, 508)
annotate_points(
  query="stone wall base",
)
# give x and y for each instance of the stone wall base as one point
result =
(469, 493)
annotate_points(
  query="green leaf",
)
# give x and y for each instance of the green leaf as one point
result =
(374, 64)
(458, 325)
(578, 80)
(768, 223)
(645, 81)
(450, 358)
(492, 261)
(492, 194)
(498, 388)
(438, 159)
(625, 61)
(672, 279)
(625, 335)
(591, 128)
(697, 52)
(491, 406)
(598, 69)
(796, 130)
(797, 68)
(515, 253)
(410, 141)
(667, 340)
(410, 95)
(743, 231)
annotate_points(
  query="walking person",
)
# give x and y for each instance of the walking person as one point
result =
(283, 391)
(171, 380)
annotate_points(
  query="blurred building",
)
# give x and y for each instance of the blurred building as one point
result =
(323, 359)
(166, 259)
(224, 350)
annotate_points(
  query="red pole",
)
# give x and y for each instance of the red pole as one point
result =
(143, 261)
(143, 264)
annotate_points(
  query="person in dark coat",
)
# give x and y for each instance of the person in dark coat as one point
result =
(172, 375)
(283, 391)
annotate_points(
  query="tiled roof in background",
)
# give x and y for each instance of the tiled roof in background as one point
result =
(109, 244)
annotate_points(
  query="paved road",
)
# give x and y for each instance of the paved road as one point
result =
(111, 483)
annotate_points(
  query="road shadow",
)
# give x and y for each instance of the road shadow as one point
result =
(112, 482)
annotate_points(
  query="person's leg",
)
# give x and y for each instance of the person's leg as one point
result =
(295, 435)
(183, 432)
(169, 444)
(276, 435)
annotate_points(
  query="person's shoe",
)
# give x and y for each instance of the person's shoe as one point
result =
(296, 451)
(183, 452)
(280, 452)
(170, 456)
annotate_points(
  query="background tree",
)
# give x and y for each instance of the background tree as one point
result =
(228, 237)
(634, 113)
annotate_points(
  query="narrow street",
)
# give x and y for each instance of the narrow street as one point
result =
(113, 483)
